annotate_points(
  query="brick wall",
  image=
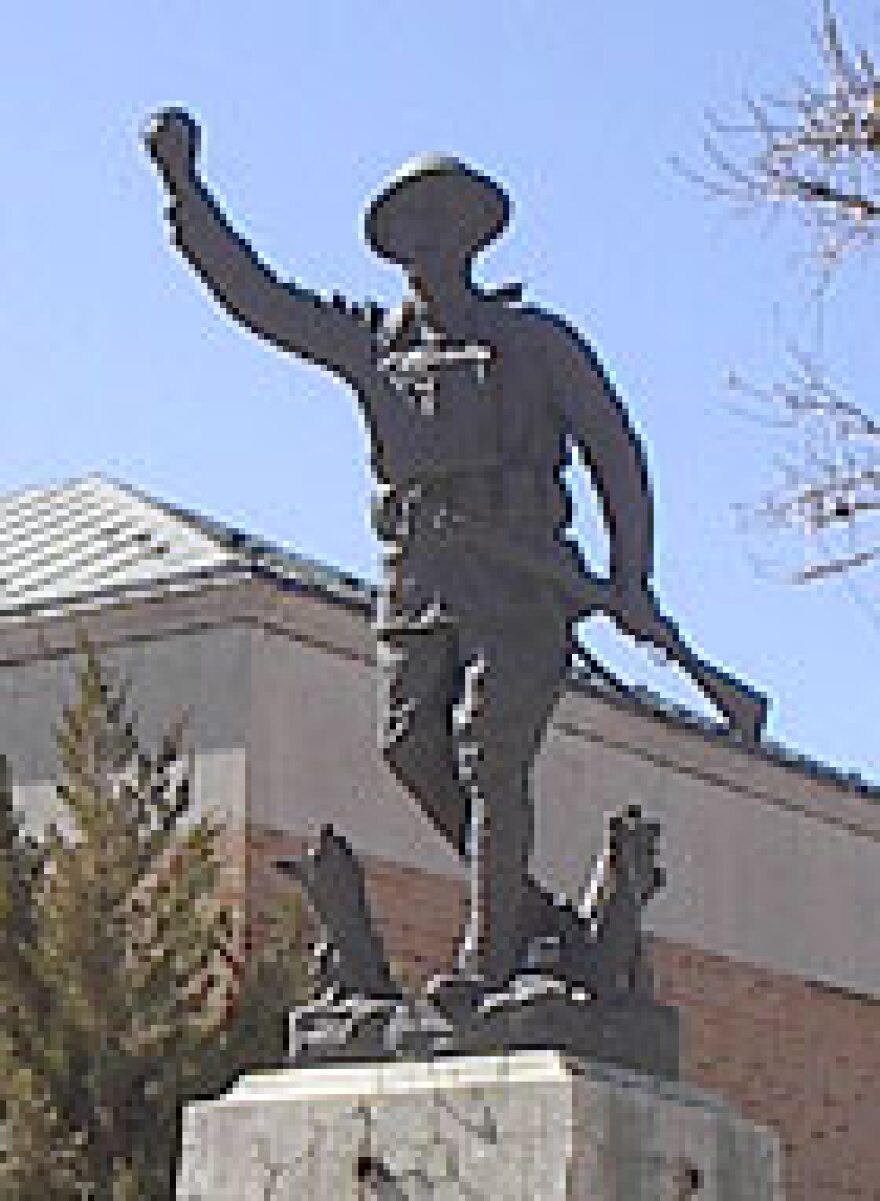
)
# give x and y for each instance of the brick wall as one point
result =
(800, 1057)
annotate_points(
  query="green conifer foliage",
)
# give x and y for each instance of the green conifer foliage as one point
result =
(122, 992)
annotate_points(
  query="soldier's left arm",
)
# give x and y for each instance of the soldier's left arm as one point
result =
(593, 417)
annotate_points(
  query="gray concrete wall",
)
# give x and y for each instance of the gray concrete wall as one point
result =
(205, 673)
(313, 754)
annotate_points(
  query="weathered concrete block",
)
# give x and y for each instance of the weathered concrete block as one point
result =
(526, 1126)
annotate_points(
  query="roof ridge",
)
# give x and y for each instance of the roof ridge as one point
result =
(243, 548)
(204, 525)
(252, 550)
(74, 481)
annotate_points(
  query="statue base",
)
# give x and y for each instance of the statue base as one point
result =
(628, 1031)
(524, 1124)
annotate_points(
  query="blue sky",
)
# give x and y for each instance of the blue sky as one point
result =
(114, 360)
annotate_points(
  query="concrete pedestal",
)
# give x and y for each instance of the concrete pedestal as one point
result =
(525, 1126)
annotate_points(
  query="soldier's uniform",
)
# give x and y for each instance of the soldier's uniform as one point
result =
(472, 646)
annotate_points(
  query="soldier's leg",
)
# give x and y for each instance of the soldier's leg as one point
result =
(418, 683)
(512, 681)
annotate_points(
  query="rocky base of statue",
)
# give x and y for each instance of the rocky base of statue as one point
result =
(583, 987)
(524, 1124)
(629, 1032)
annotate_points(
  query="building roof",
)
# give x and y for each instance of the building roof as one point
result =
(94, 537)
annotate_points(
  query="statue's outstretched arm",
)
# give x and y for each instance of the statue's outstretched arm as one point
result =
(286, 315)
(596, 421)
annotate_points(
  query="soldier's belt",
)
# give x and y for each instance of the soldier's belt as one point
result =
(450, 497)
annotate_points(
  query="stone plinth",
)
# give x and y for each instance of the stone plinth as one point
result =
(525, 1126)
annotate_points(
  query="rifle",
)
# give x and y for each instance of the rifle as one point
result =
(637, 614)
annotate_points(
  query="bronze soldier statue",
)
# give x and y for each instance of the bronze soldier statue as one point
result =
(473, 401)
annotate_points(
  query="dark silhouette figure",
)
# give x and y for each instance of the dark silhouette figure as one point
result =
(472, 401)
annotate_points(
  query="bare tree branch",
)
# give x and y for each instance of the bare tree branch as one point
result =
(828, 482)
(815, 149)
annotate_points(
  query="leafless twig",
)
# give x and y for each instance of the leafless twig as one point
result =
(817, 149)
(828, 481)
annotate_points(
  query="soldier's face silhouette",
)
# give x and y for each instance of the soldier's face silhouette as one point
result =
(432, 254)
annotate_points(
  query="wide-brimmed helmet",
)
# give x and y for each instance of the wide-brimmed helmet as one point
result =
(436, 200)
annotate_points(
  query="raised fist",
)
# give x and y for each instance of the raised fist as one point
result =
(172, 140)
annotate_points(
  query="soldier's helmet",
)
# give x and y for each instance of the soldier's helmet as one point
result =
(439, 202)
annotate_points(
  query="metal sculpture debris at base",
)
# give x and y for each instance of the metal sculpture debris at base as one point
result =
(585, 988)
(472, 400)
